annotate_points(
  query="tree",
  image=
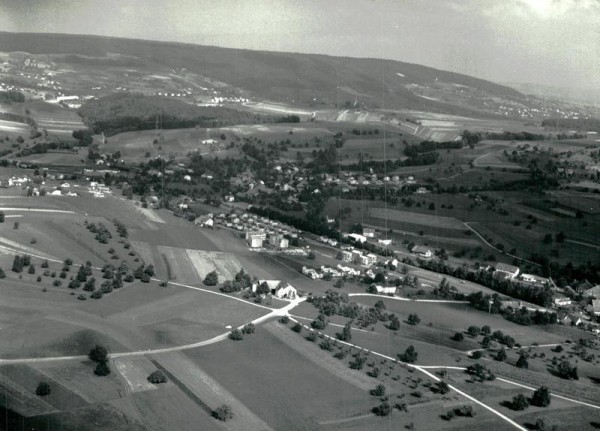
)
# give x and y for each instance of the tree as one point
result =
(410, 355)
(311, 256)
(346, 334)
(222, 413)
(442, 387)
(541, 397)
(17, 264)
(16, 225)
(474, 331)
(560, 237)
(540, 425)
(149, 270)
(501, 354)
(211, 279)
(102, 369)
(519, 402)
(458, 336)
(413, 319)
(486, 330)
(297, 327)
(43, 389)
(157, 377)
(263, 289)
(2, 216)
(98, 354)
(31, 269)
(394, 324)
(567, 371)
(2, 273)
(547, 238)
(522, 362)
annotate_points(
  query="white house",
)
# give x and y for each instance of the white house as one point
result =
(255, 239)
(422, 251)
(387, 290)
(356, 237)
(286, 292)
(279, 241)
(310, 272)
(368, 232)
(561, 301)
(347, 256)
(204, 221)
(385, 241)
(508, 271)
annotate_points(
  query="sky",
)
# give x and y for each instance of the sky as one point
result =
(549, 42)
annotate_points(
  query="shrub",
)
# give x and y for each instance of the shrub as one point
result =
(157, 377)
(442, 388)
(236, 335)
(249, 328)
(413, 319)
(96, 294)
(43, 389)
(222, 413)
(382, 409)
(297, 327)
(312, 337)
(284, 320)
(378, 391)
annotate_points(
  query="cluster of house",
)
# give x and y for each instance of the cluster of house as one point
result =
(15, 181)
(99, 190)
(259, 230)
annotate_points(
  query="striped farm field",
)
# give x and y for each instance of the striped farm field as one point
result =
(416, 218)
(226, 264)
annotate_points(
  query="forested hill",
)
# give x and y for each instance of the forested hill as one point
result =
(127, 112)
(290, 77)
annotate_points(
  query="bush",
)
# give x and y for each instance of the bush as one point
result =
(379, 391)
(211, 279)
(157, 377)
(519, 402)
(297, 327)
(96, 294)
(541, 397)
(102, 369)
(43, 389)
(249, 328)
(413, 319)
(442, 388)
(222, 413)
(284, 320)
(382, 409)
(312, 337)
(236, 335)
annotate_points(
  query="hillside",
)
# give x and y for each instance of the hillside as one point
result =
(305, 79)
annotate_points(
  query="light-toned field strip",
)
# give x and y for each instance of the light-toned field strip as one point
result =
(36, 210)
(400, 298)
(416, 218)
